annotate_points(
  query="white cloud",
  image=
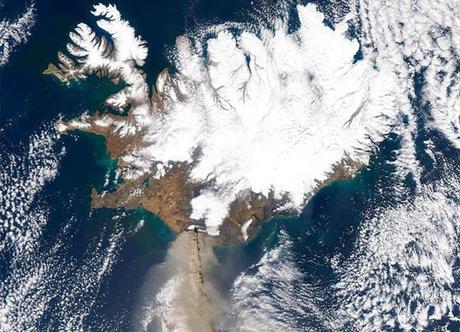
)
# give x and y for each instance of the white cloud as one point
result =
(15, 32)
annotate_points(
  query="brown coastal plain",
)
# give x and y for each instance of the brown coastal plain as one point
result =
(169, 196)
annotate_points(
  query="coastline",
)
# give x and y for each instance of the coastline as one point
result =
(169, 196)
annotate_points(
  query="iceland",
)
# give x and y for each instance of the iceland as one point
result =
(230, 166)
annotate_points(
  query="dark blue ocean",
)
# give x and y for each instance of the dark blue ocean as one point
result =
(82, 269)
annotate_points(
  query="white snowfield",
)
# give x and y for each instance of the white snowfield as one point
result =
(267, 110)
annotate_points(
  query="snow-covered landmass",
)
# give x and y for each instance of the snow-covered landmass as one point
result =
(267, 111)
(264, 110)
(15, 32)
(120, 57)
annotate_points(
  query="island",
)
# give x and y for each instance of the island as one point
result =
(237, 135)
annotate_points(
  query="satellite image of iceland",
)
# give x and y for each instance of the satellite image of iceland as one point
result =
(230, 165)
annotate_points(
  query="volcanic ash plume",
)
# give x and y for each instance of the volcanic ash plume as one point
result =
(178, 295)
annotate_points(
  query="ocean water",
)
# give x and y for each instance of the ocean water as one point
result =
(65, 266)
(82, 269)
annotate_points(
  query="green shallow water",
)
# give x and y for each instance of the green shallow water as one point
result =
(327, 226)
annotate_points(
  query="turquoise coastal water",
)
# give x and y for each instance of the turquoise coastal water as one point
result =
(95, 262)
(98, 256)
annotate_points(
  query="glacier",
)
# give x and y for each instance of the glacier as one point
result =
(259, 109)
(268, 110)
